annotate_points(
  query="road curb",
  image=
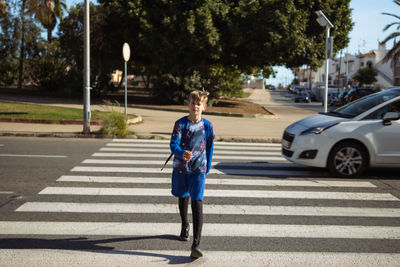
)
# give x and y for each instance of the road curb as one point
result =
(45, 121)
(245, 115)
(147, 137)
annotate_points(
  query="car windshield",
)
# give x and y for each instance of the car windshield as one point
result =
(355, 108)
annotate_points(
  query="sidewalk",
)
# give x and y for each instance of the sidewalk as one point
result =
(158, 123)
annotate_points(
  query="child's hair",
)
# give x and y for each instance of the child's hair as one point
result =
(199, 96)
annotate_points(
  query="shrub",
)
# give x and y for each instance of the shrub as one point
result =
(115, 125)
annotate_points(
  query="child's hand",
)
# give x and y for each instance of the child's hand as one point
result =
(187, 155)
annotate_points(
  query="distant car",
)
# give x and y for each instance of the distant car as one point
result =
(332, 98)
(302, 96)
(295, 89)
(272, 88)
(313, 97)
(349, 139)
(340, 99)
(356, 93)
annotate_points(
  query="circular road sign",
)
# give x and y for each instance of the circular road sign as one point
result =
(126, 51)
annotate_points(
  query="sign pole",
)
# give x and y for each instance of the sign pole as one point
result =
(126, 53)
(126, 92)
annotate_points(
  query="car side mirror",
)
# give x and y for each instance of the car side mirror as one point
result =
(388, 117)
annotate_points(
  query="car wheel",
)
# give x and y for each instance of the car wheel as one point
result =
(347, 159)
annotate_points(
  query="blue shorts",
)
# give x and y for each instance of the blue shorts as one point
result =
(184, 185)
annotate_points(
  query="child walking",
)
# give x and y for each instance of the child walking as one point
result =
(192, 143)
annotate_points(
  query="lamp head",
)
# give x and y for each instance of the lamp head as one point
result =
(323, 20)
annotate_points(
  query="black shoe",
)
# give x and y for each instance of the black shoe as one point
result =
(184, 236)
(196, 253)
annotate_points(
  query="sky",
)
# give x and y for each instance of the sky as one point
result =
(367, 30)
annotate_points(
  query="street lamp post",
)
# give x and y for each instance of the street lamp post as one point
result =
(86, 71)
(324, 22)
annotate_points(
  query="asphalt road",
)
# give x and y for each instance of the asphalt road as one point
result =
(95, 202)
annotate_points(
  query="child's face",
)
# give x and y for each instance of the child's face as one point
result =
(196, 107)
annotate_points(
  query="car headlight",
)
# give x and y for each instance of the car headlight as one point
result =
(318, 129)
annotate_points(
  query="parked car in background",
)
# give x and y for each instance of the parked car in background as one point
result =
(340, 99)
(313, 97)
(349, 139)
(332, 98)
(302, 96)
(356, 93)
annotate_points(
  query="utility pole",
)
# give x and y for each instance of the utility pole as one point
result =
(347, 68)
(86, 71)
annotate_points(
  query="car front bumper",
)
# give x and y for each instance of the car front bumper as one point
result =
(310, 149)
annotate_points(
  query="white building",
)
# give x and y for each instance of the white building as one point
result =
(343, 69)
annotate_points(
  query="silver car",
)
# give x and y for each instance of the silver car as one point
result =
(347, 140)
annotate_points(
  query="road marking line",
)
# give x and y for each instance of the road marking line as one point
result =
(217, 152)
(209, 229)
(208, 209)
(209, 181)
(6, 192)
(216, 143)
(161, 162)
(216, 147)
(33, 156)
(103, 191)
(121, 257)
(165, 155)
(212, 171)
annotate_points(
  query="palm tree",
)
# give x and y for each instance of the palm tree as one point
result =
(394, 53)
(3, 7)
(46, 13)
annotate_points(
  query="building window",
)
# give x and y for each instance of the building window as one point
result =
(369, 64)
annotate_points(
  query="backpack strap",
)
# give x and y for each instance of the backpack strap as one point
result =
(183, 127)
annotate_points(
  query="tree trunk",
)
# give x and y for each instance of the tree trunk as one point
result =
(49, 38)
(147, 80)
(22, 48)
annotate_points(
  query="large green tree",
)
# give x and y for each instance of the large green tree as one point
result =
(8, 46)
(186, 44)
(105, 53)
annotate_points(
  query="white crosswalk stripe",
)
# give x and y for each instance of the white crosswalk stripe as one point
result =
(166, 154)
(208, 209)
(255, 200)
(105, 191)
(254, 182)
(24, 257)
(167, 150)
(169, 170)
(160, 162)
(209, 229)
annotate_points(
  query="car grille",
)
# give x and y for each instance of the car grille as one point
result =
(287, 140)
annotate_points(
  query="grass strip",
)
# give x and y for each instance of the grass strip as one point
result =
(33, 111)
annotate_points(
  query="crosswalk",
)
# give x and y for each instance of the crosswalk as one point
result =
(115, 209)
